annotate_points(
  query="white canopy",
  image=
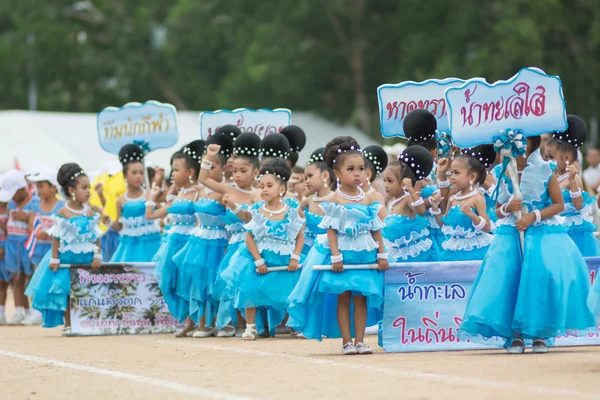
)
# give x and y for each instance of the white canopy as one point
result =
(54, 138)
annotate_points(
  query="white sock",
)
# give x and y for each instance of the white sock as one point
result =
(250, 325)
(2, 308)
(20, 310)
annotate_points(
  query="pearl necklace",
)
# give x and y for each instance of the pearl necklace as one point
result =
(137, 198)
(188, 190)
(78, 212)
(563, 177)
(276, 212)
(466, 196)
(319, 199)
(371, 190)
(396, 201)
(239, 189)
(358, 197)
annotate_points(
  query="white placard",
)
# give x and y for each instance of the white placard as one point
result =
(261, 122)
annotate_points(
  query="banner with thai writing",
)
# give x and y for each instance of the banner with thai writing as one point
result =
(118, 299)
(261, 122)
(151, 125)
(531, 101)
(397, 100)
(425, 304)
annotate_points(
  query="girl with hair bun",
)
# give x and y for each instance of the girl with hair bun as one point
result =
(274, 145)
(274, 238)
(297, 139)
(180, 209)
(376, 159)
(353, 222)
(140, 237)
(236, 198)
(199, 259)
(75, 240)
(232, 132)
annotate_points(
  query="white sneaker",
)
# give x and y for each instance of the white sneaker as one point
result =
(32, 319)
(204, 334)
(539, 346)
(17, 319)
(349, 349)
(516, 347)
(3, 320)
(363, 348)
(227, 331)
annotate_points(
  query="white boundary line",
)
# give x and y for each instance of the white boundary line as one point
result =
(448, 379)
(173, 386)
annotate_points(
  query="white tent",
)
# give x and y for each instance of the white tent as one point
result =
(53, 138)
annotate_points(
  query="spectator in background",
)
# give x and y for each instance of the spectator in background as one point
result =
(591, 175)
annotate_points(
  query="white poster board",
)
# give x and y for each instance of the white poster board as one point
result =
(261, 122)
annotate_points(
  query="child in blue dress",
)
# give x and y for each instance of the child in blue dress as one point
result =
(465, 223)
(5, 275)
(140, 238)
(181, 213)
(353, 222)
(199, 259)
(561, 149)
(376, 159)
(538, 291)
(406, 234)
(236, 197)
(274, 238)
(75, 240)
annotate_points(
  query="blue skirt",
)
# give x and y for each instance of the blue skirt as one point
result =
(50, 290)
(197, 265)
(166, 274)
(137, 248)
(109, 243)
(554, 286)
(16, 257)
(5, 274)
(222, 293)
(586, 242)
(41, 249)
(313, 302)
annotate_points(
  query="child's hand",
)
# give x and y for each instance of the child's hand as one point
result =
(293, 267)
(228, 201)
(525, 222)
(42, 235)
(159, 177)
(442, 166)
(383, 264)
(96, 264)
(572, 172)
(262, 270)
(154, 193)
(468, 211)
(407, 185)
(515, 206)
(173, 190)
(435, 200)
(337, 267)
(213, 150)
(106, 220)
(54, 266)
(99, 188)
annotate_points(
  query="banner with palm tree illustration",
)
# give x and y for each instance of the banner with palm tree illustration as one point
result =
(118, 299)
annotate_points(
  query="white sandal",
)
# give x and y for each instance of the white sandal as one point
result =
(251, 333)
(67, 331)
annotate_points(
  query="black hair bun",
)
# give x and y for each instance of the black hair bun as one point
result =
(195, 149)
(317, 155)
(376, 155)
(130, 153)
(230, 130)
(275, 145)
(295, 136)
(576, 132)
(223, 140)
(337, 146)
(247, 144)
(419, 125)
(484, 153)
(418, 159)
(277, 166)
(67, 177)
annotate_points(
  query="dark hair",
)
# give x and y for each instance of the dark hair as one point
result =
(68, 175)
(226, 143)
(231, 131)
(151, 173)
(278, 167)
(429, 144)
(293, 158)
(192, 155)
(533, 143)
(275, 145)
(295, 136)
(474, 166)
(128, 154)
(247, 147)
(402, 171)
(563, 147)
(297, 170)
(338, 149)
(322, 167)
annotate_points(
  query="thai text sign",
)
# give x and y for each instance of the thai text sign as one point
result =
(151, 125)
(396, 101)
(118, 299)
(531, 101)
(261, 122)
(425, 304)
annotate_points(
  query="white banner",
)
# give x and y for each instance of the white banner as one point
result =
(261, 122)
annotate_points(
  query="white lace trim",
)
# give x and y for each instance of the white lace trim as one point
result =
(237, 237)
(181, 229)
(511, 220)
(78, 248)
(210, 234)
(283, 249)
(395, 252)
(139, 226)
(350, 243)
(468, 243)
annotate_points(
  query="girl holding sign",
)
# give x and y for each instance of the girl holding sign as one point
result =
(140, 237)
(186, 166)
(465, 222)
(561, 150)
(236, 197)
(274, 238)
(353, 222)
(75, 240)
(405, 233)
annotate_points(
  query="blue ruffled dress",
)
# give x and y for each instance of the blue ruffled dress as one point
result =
(276, 241)
(580, 224)
(541, 294)
(183, 221)
(140, 238)
(220, 291)
(463, 242)
(5, 274)
(435, 230)
(42, 247)
(407, 239)
(313, 302)
(311, 231)
(198, 261)
(50, 290)
(16, 256)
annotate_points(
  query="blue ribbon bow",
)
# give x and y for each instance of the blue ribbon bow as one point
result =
(142, 144)
(444, 143)
(511, 143)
